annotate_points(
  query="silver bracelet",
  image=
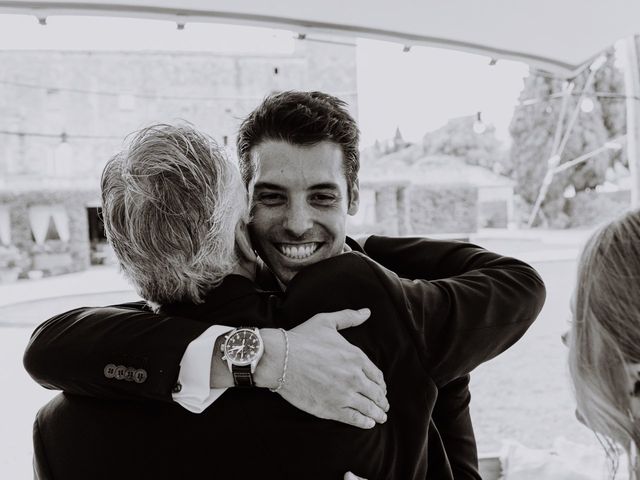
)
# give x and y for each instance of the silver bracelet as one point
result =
(282, 379)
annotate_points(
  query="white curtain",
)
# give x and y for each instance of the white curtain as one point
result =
(5, 226)
(61, 221)
(39, 217)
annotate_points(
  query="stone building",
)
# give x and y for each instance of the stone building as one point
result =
(63, 114)
(407, 193)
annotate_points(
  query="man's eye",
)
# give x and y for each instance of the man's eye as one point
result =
(271, 198)
(324, 199)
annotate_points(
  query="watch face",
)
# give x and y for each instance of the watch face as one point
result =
(243, 347)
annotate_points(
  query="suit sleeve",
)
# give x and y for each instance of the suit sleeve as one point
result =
(419, 258)
(80, 352)
(41, 468)
(467, 305)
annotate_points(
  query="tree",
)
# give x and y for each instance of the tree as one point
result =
(458, 139)
(533, 128)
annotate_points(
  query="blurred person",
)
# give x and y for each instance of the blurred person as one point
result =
(604, 339)
(299, 159)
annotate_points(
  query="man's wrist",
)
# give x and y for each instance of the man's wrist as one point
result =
(269, 368)
(220, 376)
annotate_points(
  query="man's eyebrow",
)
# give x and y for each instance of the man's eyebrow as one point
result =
(267, 186)
(325, 186)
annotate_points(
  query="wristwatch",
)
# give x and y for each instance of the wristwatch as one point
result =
(242, 349)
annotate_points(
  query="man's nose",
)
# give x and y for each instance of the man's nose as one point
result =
(298, 219)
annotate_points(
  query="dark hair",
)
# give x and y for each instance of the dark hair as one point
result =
(300, 118)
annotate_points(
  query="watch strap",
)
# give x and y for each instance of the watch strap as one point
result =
(242, 376)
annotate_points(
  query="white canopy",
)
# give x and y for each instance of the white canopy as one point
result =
(557, 35)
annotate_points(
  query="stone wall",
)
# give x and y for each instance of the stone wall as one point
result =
(443, 208)
(97, 98)
(77, 249)
(405, 209)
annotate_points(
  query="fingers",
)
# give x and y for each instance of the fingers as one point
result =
(368, 408)
(351, 476)
(373, 392)
(373, 373)
(349, 318)
(355, 418)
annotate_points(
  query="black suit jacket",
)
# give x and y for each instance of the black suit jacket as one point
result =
(496, 299)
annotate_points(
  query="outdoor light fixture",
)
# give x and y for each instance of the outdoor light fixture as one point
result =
(406, 48)
(180, 26)
(301, 36)
(587, 105)
(569, 192)
(493, 61)
(63, 156)
(42, 21)
(478, 126)
(597, 63)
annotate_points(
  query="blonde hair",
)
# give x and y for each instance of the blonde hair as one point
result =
(605, 335)
(170, 208)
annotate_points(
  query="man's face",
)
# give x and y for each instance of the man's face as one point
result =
(300, 205)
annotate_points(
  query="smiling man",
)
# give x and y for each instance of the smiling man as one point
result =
(298, 156)
(301, 203)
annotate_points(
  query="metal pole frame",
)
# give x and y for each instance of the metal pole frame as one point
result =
(556, 156)
(632, 90)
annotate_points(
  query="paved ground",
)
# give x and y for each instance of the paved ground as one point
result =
(525, 394)
(522, 395)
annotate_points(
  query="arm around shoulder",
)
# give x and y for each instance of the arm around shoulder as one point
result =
(470, 317)
(123, 351)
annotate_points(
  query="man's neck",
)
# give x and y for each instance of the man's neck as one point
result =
(245, 269)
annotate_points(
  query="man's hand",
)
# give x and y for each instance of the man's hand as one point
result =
(330, 378)
(351, 476)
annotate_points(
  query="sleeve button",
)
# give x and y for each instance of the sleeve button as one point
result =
(120, 372)
(110, 370)
(177, 388)
(140, 376)
(129, 374)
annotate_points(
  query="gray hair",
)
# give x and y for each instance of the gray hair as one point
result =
(171, 203)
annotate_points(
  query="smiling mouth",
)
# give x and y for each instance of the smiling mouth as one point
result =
(299, 251)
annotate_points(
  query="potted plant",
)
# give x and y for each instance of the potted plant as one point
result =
(12, 262)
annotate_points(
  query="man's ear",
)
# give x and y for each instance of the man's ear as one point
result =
(354, 198)
(243, 242)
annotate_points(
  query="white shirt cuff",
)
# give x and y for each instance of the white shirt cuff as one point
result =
(195, 372)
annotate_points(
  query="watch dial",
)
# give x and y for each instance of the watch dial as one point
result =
(242, 347)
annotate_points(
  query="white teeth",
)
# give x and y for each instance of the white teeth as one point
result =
(298, 252)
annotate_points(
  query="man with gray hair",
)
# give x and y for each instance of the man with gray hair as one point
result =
(174, 263)
(175, 212)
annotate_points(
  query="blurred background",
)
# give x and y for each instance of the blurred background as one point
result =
(454, 145)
